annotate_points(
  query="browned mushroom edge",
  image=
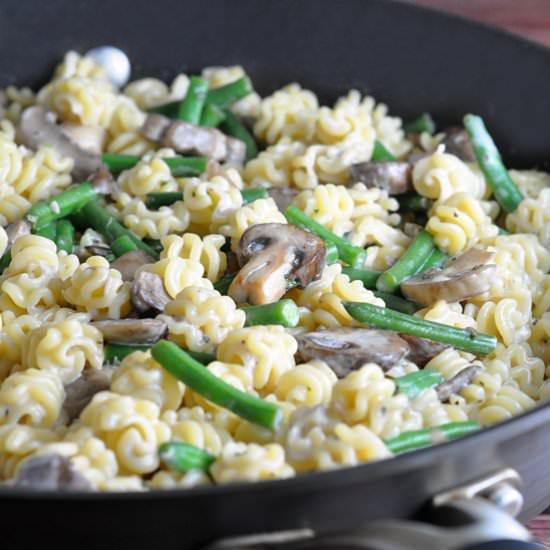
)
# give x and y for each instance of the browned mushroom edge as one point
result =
(80, 392)
(271, 254)
(457, 142)
(392, 176)
(132, 331)
(185, 137)
(148, 292)
(462, 277)
(422, 350)
(451, 387)
(130, 262)
(37, 127)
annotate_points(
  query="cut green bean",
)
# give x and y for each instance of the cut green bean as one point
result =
(98, 218)
(179, 166)
(169, 109)
(284, 312)
(379, 152)
(490, 162)
(5, 260)
(502, 231)
(353, 255)
(49, 231)
(123, 244)
(222, 285)
(65, 236)
(59, 206)
(251, 195)
(212, 116)
(224, 96)
(409, 264)
(396, 302)
(183, 457)
(414, 383)
(232, 126)
(154, 201)
(368, 278)
(118, 163)
(117, 352)
(191, 106)
(435, 259)
(408, 441)
(331, 254)
(413, 202)
(424, 123)
(388, 319)
(155, 244)
(193, 374)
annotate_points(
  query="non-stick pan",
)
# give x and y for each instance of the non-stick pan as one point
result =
(414, 60)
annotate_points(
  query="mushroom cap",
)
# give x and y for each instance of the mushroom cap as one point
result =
(462, 277)
(392, 176)
(132, 331)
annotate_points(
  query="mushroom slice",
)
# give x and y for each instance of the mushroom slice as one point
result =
(422, 349)
(88, 138)
(50, 472)
(457, 142)
(392, 176)
(103, 181)
(132, 331)
(345, 349)
(17, 229)
(37, 127)
(462, 277)
(270, 254)
(185, 137)
(283, 196)
(456, 383)
(148, 292)
(130, 262)
(80, 392)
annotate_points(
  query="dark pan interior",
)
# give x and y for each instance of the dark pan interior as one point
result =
(412, 59)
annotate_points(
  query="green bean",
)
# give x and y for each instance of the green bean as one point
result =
(502, 231)
(49, 231)
(193, 374)
(387, 319)
(413, 202)
(183, 457)
(117, 352)
(154, 201)
(435, 259)
(411, 261)
(155, 244)
(490, 162)
(222, 285)
(284, 312)
(179, 166)
(191, 106)
(123, 244)
(59, 206)
(415, 383)
(224, 96)
(368, 278)
(408, 441)
(331, 254)
(379, 152)
(169, 109)
(232, 126)
(98, 218)
(5, 260)
(212, 116)
(353, 255)
(424, 123)
(65, 236)
(251, 195)
(396, 302)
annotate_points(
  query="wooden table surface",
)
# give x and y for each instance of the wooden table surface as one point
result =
(531, 19)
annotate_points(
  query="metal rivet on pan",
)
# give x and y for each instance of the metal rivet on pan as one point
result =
(114, 61)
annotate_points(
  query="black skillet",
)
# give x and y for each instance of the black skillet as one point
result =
(414, 60)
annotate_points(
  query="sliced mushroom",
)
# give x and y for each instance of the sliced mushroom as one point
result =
(412, 229)
(456, 383)
(132, 331)
(283, 196)
(37, 127)
(462, 277)
(130, 262)
(103, 181)
(185, 137)
(269, 255)
(392, 176)
(148, 292)
(50, 472)
(421, 349)
(345, 349)
(17, 229)
(80, 392)
(457, 142)
(99, 250)
(88, 138)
